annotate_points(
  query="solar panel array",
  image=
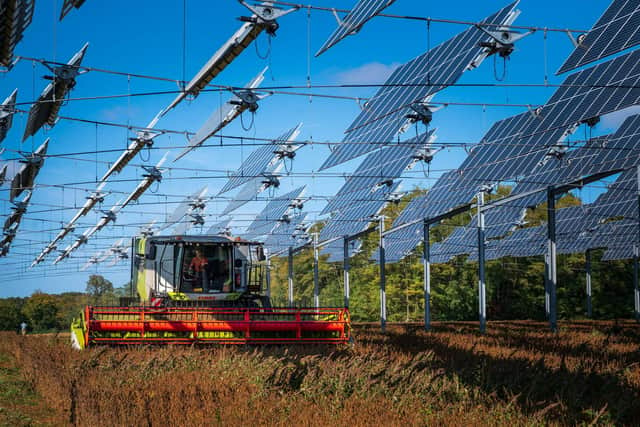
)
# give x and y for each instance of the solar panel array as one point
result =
(602, 89)
(385, 113)
(379, 168)
(287, 235)
(362, 12)
(15, 17)
(616, 30)
(261, 161)
(355, 218)
(273, 213)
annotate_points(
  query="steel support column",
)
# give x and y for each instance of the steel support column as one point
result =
(587, 259)
(636, 254)
(383, 279)
(482, 293)
(347, 267)
(290, 277)
(426, 264)
(316, 280)
(267, 276)
(551, 228)
(546, 285)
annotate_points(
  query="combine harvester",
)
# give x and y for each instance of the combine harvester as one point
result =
(204, 289)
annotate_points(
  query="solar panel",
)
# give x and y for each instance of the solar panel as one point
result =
(590, 93)
(251, 189)
(220, 227)
(195, 201)
(45, 109)
(143, 139)
(153, 174)
(361, 13)
(259, 160)
(335, 250)
(19, 209)
(357, 217)
(67, 5)
(386, 112)
(379, 168)
(450, 191)
(620, 199)
(31, 165)
(615, 31)
(276, 211)
(287, 234)
(3, 173)
(15, 17)
(243, 100)
(401, 243)
(263, 18)
(7, 110)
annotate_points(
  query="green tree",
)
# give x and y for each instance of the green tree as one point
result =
(11, 313)
(41, 311)
(99, 288)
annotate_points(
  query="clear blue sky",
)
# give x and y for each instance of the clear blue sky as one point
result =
(146, 37)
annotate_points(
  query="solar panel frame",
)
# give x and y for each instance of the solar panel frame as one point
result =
(616, 30)
(359, 15)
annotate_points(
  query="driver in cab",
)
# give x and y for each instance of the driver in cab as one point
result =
(198, 267)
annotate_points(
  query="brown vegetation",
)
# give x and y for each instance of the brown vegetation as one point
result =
(516, 374)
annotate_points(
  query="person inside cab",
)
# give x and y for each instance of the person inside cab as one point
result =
(198, 268)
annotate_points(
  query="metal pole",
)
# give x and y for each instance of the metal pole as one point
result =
(551, 208)
(316, 281)
(290, 278)
(346, 272)
(482, 308)
(383, 280)
(426, 260)
(546, 285)
(587, 256)
(268, 276)
(636, 267)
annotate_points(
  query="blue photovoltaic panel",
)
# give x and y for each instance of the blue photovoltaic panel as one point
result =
(616, 30)
(286, 235)
(272, 213)
(461, 241)
(602, 89)
(385, 164)
(362, 12)
(335, 250)
(620, 199)
(385, 113)
(219, 227)
(523, 242)
(450, 191)
(350, 221)
(401, 243)
(258, 161)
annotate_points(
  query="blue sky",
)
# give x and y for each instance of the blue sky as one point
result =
(147, 37)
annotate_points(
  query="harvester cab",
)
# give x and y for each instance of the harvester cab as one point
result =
(204, 289)
(199, 271)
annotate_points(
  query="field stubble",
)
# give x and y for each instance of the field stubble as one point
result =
(516, 374)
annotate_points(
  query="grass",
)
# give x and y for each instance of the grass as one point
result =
(516, 374)
(19, 404)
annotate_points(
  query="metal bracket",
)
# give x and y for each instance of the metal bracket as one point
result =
(579, 42)
(422, 112)
(503, 41)
(271, 181)
(285, 151)
(247, 98)
(265, 14)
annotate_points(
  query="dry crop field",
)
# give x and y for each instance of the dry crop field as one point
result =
(516, 374)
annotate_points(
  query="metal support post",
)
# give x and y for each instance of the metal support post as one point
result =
(316, 280)
(268, 276)
(546, 285)
(482, 303)
(587, 259)
(290, 277)
(347, 267)
(551, 208)
(636, 267)
(426, 260)
(383, 279)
